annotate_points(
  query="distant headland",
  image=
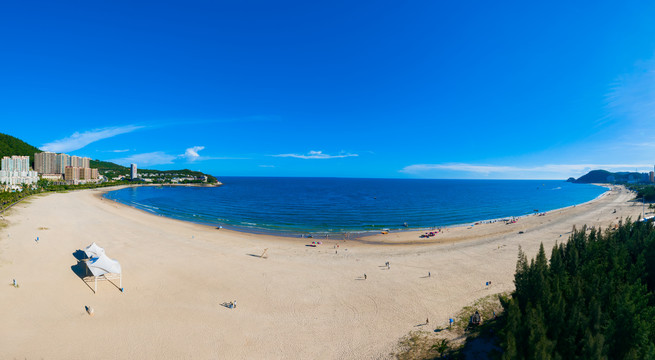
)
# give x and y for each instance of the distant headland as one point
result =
(607, 177)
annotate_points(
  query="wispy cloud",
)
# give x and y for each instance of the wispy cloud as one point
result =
(146, 159)
(632, 96)
(540, 172)
(267, 166)
(316, 155)
(117, 151)
(79, 140)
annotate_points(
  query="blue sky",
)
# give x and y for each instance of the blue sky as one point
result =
(422, 89)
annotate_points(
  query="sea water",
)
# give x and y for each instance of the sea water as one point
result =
(338, 205)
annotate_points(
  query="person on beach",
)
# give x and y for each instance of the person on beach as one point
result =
(429, 274)
(364, 276)
(234, 304)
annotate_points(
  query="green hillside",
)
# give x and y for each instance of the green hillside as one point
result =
(106, 165)
(10, 145)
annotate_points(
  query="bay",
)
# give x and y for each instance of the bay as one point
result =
(338, 205)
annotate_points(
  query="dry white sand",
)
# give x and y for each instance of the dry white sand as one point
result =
(301, 302)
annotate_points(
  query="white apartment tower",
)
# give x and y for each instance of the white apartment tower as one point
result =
(15, 171)
(133, 174)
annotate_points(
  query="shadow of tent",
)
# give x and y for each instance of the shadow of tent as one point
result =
(81, 271)
(80, 255)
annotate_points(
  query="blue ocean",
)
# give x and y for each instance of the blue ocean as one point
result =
(336, 205)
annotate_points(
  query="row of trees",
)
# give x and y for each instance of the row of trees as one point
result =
(647, 192)
(593, 300)
(8, 198)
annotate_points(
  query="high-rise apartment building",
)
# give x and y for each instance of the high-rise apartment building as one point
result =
(63, 160)
(83, 162)
(77, 175)
(15, 171)
(51, 163)
(15, 163)
(45, 163)
(133, 173)
(652, 176)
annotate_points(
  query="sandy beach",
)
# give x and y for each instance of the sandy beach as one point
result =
(300, 302)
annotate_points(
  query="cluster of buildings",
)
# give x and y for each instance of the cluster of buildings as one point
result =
(71, 169)
(15, 172)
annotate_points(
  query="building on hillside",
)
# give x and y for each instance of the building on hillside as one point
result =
(15, 172)
(133, 173)
(652, 176)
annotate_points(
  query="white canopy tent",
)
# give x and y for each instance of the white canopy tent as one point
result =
(103, 268)
(94, 250)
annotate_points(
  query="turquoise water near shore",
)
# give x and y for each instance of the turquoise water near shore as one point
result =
(338, 205)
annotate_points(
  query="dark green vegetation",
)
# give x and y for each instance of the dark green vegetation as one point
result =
(103, 166)
(594, 300)
(10, 145)
(7, 198)
(603, 176)
(111, 170)
(646, 192)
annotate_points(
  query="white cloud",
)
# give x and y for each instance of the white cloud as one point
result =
(556, 171)
(146, 159)
(191, 154)
(315, 155)
(118, 151)
(80, 140)
(267, 166)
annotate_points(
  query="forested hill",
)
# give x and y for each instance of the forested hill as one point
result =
(10, 145)
(594, 300)
(603, 176)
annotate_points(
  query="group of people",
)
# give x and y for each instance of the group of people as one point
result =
(429, 234)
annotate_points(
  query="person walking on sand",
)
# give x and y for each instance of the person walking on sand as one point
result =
(364, 276)
(429, 274)
(234, 304)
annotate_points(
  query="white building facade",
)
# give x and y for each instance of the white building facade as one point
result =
(15, 172)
